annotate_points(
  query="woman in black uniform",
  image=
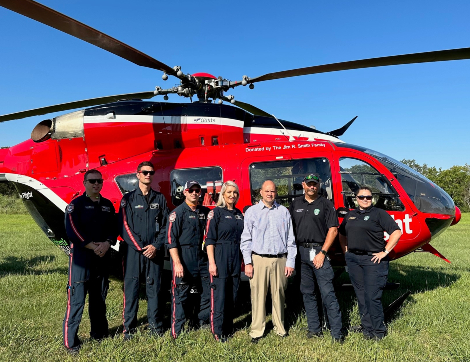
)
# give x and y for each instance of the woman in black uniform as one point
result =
(361, 235)
(224, 229)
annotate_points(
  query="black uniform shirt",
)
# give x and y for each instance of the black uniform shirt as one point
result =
(224, 225)
(365, 229)
(312, 220)
(87, 221)
(186, 227)
(143, 219)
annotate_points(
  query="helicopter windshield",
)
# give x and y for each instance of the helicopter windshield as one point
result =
(425, 194)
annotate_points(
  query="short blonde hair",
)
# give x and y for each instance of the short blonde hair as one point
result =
(221, 200)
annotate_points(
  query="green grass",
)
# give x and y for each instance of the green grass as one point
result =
(433, 324)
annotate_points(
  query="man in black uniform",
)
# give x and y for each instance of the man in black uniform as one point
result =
(315, 227)
(143, 217)
(186, 227)
(90, 226)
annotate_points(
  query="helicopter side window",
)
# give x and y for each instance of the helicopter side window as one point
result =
(210, 179)
(288, 176)
(127, 183)
(355, 173)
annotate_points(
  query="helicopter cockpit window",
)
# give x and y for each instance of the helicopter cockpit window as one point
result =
(127, 183)
(210, 179)
(355, 173)
(288, 176)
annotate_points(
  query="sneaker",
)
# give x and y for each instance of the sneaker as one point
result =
(311, 334)
(73, 351)
(128, 337)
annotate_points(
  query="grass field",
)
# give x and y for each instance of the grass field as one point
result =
(432, 325)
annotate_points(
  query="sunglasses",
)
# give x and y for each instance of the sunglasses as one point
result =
(145, 173)
(311, 178)
(191, 191)
(362, 197)
(96, 180)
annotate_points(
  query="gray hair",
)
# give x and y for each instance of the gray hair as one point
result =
(221, 200)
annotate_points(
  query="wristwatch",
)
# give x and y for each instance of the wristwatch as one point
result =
(323, 252)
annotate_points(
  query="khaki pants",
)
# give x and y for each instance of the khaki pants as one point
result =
(267, 271)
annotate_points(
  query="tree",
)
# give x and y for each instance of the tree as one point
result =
(7, 188)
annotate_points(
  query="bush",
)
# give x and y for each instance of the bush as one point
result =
(12, 205)
(7, 188)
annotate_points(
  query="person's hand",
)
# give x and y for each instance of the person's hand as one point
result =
(288, 271)
(213, 269)
(377, 257)
(101, 248)
(249, 270)
(149, 251)
(318, 260)
(179, 270)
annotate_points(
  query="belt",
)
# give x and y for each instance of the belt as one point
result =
(311, 245)
(271, 255)
(360, 252)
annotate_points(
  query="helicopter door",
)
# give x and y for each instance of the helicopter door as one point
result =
(355, 173)
(288, 175)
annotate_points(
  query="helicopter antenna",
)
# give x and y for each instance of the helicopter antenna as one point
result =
(291, 138)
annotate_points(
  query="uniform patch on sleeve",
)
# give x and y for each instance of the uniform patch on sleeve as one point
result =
(123, 202)
(172, 217)
(70, 208)
(210, 215)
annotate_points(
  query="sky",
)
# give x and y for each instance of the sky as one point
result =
(418, 112)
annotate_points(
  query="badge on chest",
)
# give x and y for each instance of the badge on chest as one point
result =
(154, 206)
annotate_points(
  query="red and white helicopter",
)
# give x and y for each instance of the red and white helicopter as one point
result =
(210, 142)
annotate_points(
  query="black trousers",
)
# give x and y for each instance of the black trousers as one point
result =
(369, 280)
(139, 268)
(324, 277)
(84, 280)
(190, 298)
(223, 299)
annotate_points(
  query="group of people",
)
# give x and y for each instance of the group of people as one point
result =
(206, 250)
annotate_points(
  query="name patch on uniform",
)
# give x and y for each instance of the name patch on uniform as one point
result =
(172, 217)
(192, 216)
(123, 203)
(210, 215)
(89, 207)
(299, 210)
(105, 208)
(139, 206)
(238, 217)
(316, 211)
(228, 217)
(202, 216)
(352, 218)
(366, 218)
(70, 208)
(154, 206)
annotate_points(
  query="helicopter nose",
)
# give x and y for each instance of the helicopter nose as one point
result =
(458, 216)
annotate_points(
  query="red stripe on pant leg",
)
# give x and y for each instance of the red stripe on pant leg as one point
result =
(124, 297)
(173, 315)
(129, 231)
(66, 329)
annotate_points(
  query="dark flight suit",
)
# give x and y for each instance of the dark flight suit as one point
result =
(143, 222)
(224, 230)
(186, 232)
(87, 221)
(365, 232)
(311, 224)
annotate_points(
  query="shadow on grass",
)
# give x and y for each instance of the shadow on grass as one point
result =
(14, 265)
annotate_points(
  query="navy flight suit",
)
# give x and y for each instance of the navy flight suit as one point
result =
(186, 232)
(142, 223)
(85, 222)
(224, 230)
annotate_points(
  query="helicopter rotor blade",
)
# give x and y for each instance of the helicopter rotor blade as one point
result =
(426, 57)
(75, 104)
(59, 21)
(340, 131)
(248, 107)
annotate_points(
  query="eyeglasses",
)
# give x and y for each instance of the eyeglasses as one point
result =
(191, 191)
(362, 197)
(96, 180)
(145, 173)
